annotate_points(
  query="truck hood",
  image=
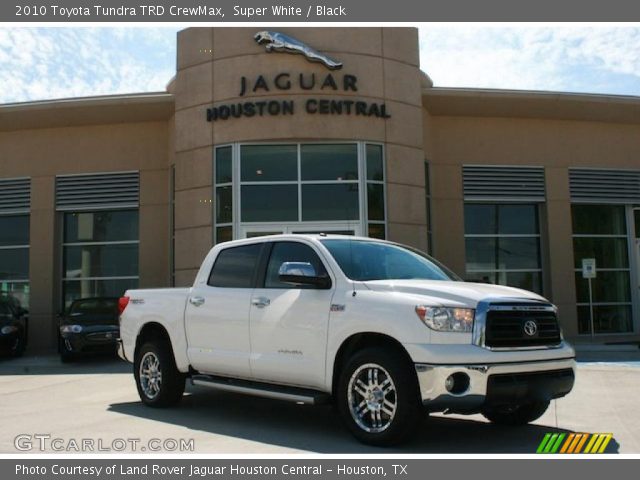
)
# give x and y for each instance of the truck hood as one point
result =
(446, 293)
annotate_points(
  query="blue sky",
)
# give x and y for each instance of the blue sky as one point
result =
(44, 63)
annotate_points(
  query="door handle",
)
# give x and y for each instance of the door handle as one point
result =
(260, 302)
(196, 301)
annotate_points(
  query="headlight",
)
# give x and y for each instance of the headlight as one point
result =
(8, 329)
(446, 319)
(71, 329)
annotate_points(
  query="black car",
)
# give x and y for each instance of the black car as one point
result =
(90, 325)
(13, 327)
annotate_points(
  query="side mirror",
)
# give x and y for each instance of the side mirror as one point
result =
(302, 273)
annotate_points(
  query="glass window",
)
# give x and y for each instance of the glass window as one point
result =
(235, 267)
(375, 165)
(108, 260)
(269, 203)
(502, 244)
(375, 201)
(609, 252)
(14, 264)
(599, 220)
(376, 230)
(367, 260)
(224, 234)
(14, 259)
(606, 319)
(330, 202)
(269, 163)
(14, 230)
(290, 252)
(224, 213)
(100, 254)
(106, 226)
(600, 232)
(329, 162)
(224, 165)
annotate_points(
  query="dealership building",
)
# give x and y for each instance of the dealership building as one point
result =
(321, 130)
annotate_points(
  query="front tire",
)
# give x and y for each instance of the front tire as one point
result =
(378, 397)
(516, 414)
(159, 382)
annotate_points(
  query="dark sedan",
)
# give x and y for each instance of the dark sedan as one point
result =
(13, 328)
(90, 325)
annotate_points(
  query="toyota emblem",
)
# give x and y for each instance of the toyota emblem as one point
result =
(530, 328)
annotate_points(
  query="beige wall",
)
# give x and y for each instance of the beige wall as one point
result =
(43, 153)
(210, 64)
(553, 144)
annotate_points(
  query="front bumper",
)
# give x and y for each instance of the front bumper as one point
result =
(479, 385)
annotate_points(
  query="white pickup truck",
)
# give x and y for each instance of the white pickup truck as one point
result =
(380, 329)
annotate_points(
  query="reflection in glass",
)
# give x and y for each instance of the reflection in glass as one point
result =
(606, 287)
(606, 319)
(608, 252)
(224, 234)
(14, 264)
(329, 162)
(375, 201)
(330, 202)
(375, 168)
(104, 226)
(14, 230)
(269, 163)
(114, 260)
(224, 205)
(269, 203)
(73, 289)
(598, 220)
(223, 165)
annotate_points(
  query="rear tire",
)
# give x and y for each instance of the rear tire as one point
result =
(159, 382)
(378, 397)
(516, 414)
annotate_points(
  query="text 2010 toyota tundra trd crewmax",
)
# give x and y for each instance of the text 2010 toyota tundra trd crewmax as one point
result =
(381, 329)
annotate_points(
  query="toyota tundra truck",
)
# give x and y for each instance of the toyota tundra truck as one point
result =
(382, 330)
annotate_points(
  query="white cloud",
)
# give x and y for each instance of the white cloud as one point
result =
(45, 63)
(597, 59)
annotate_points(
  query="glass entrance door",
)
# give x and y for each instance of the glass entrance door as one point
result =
(249, 231)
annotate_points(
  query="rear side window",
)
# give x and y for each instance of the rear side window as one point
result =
(290, 252)
(235, 267)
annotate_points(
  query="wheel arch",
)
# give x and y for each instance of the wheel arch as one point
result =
(360, 341)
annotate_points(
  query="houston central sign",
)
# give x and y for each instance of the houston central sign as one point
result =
(302, 82)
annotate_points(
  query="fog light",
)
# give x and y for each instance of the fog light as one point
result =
(457, 383)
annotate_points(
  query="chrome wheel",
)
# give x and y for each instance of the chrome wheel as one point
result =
(372, 398)
(150, 375)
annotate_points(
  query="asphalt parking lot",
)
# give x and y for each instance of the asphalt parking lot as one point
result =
(96, 399)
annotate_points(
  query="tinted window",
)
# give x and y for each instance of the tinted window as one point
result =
(14, 230)
(235, 267)
(104, 226)
(290, 252)
(363, 261)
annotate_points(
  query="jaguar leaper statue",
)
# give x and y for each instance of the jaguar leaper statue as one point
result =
(279, 42)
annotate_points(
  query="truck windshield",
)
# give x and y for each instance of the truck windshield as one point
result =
(364, 260)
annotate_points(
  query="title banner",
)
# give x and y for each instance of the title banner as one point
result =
(316, 11)
(319, 468)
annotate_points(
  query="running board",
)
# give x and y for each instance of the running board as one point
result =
(267, 390)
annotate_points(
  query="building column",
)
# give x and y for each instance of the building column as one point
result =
(447, 216)
(560, 248)
(43, 255)
(154, 228)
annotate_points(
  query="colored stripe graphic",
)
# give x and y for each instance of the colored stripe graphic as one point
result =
(574, 442)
